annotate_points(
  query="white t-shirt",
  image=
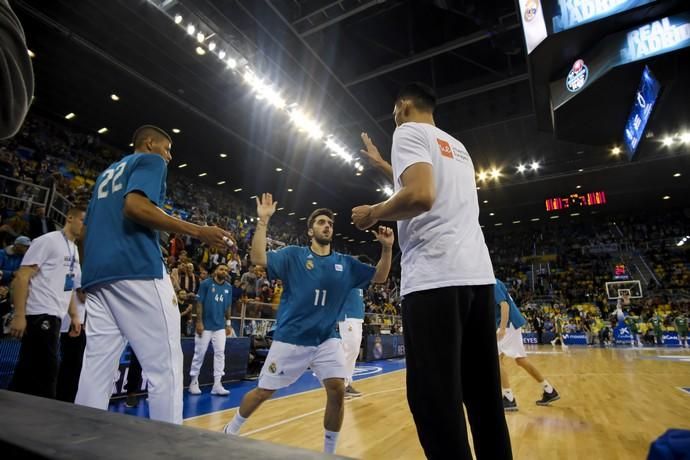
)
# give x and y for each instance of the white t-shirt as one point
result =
(444, 246)
(53, 254)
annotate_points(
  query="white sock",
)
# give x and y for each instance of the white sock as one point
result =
(236, 423)
(330, 438)
(547, 386)
(216, 379)
(508, 393)
(195, 380)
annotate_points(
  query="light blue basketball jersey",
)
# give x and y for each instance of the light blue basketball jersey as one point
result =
(514, 316)
(117, 248)
(354, 305)
(315, 289)
(216, 299)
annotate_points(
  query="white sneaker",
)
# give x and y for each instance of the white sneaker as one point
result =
(219, 390)
(194, 388)
(226, 430)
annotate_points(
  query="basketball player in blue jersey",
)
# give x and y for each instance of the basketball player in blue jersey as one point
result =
(130, 297)
(509, 322)
(350, 327)
(317, 281)
(212, 325)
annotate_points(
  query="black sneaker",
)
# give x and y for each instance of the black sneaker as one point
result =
(350, 392)
(548, 398)
(132, 401)
(509, 406)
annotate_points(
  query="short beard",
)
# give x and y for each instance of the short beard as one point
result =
(323, 241)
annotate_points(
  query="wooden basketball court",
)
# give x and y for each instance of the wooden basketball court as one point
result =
(614, 403)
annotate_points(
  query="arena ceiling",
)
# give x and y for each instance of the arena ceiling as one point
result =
(343, 60)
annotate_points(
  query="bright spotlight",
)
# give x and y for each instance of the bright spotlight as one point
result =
(200, 51)
(232, 63)
(178, 19)
(685, 137)
(521, 168)
(211, 46)
(668, 140)
(221, 54)
(535, 165)
(200, 37)
(191, 29)
(616, 150)
(495, 173)
(482, 176)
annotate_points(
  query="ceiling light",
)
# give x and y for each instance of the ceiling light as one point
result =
(252, 197)
(32, 54)
(521, 168)
(279, 169)
(103, 130)
(479, 188)
(291, 214)
(554, 217)
(131, 144)
(580, 170)
(200, 51)
(498, 224)
(486, 201)
(280, 209)
(237, 190)
(70, 115)
(535, 165)
(574, 214)
(289, 190)
(616, 150)
(223, 155)
(677, 175)
(378, 189)
(202, 174)
(358, 173)
(685, 137)
(481, 176)
(191, 29)
(491, 213)
(666, 197)
(578, 186)
(176, 131)
(516, 221)
(495, 173)
(668, 141)
(221, 55)
(183, 165)
(221, 182)
(314, 203)
(114, 97)
(335, 213)
(302, 218)
(178, 19)
(200, 37)
(535, 219)
(211, 46)
(231, 63)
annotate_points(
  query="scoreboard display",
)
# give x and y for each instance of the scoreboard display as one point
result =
(576, 200)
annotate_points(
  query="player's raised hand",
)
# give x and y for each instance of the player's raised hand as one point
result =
(361, 217)
(385, 236)
(370, 151)
(265, 207)
(216, 237)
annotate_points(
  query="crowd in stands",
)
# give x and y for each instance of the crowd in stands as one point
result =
(554, 267)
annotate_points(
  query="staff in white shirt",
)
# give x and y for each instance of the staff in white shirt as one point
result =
(43, 292)
(447, 284)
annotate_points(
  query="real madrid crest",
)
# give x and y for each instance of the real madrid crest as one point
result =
(272, 368)
(213, 289)
(309, 264)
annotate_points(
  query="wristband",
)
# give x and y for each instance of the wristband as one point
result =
(228, 323)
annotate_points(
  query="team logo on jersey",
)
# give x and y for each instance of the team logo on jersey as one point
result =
(272, 368)
(446, 150)
(531, 7)
(577, 77)
(213, 289)
(309, 264)
(338, 267)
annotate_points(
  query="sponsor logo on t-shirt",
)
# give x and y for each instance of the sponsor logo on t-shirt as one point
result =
(446, 150)
(338, 267)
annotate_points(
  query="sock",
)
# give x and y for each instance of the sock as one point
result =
(330, 438)
(508, 393)
(195, 380)
(236, 423)
(547, 386)
(216, 379)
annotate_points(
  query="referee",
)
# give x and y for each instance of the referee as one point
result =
(43, 290)
(447, 284)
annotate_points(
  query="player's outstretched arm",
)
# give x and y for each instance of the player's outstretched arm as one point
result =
(386, 237)
(141, 210)
(265, 207)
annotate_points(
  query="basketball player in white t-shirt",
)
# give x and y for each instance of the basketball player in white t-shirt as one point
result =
(447, 284)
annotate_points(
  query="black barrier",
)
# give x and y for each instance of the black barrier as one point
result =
(236, 359)
(384, 346)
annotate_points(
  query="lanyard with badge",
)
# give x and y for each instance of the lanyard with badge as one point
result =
(69, 277)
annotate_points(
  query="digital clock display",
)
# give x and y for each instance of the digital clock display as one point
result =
(576, 200)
